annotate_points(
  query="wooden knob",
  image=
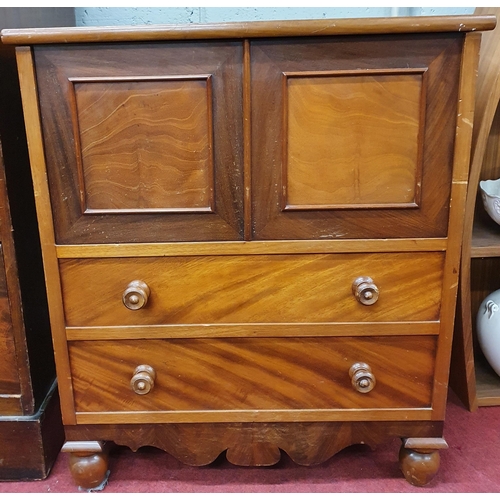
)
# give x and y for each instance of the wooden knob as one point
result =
(362, 378)
(365, 290)
(136, 295)
(143, 379)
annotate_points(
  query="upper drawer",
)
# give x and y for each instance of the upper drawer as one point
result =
(251, 289)
(353, 138)
(143, 142)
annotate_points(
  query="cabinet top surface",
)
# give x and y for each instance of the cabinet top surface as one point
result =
(320, 27)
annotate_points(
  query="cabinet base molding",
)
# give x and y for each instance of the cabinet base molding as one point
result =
(29, 445)
(253, 444)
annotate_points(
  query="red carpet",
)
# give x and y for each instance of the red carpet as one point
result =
(471, 464)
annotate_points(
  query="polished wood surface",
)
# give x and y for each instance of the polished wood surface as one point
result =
(253, 289)
(115, 174)
(88, 463)
(238, 374)
(418, 468)
(28, 87)
(306, 443)
(145, 145)
(480, 236)
(438, 56)
(251, 248)
(461, 162)
(323, 27)
(360, 152)
(303, 297)
(275, 330)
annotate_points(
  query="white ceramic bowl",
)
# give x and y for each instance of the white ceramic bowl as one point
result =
(490, 192)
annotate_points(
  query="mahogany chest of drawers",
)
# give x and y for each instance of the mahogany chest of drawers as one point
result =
(251, 232)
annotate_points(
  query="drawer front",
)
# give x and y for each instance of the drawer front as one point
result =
(353, 139)
(208, 374)
(143, 141)
(252, 289)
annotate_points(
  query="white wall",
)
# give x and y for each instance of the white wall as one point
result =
(113, 16)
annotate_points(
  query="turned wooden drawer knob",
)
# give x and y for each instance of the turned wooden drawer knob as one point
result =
(365, 290)
(362, 378)
(136, 295)
(143, 379)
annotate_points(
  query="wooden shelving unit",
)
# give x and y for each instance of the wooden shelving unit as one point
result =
(471, 377)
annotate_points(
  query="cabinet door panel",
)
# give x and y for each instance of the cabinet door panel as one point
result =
(353, 138)
(143, 143)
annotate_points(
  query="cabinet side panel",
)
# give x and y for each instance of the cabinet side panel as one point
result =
(9, 375)
(44, 214)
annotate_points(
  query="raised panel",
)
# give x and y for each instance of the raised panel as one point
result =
(353, 139)
(233, 374)
(143, 142)
(145, 145)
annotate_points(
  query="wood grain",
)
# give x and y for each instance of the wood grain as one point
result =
(352, 140)
(145, 145)
(29, 95)
(320, 27)
(253, 289)
(231, 330)
(220, 59)
(307, 443)
(251, 248)
(461, 163)
(241, 374)
(247, 142)
(271, 58)
(242, 332)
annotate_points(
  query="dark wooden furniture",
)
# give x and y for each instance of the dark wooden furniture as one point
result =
(31, 431)
(471, 376)
(247, 233)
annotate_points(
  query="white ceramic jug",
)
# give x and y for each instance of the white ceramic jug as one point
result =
(488, 329)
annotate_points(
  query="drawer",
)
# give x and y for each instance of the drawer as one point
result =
(250, 373)
(252, 289)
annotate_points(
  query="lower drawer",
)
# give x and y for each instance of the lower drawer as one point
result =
(252, 373)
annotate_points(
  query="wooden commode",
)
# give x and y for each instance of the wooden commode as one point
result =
(251, 232)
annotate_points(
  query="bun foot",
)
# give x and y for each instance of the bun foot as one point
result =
(88, 464)
(419, 459)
